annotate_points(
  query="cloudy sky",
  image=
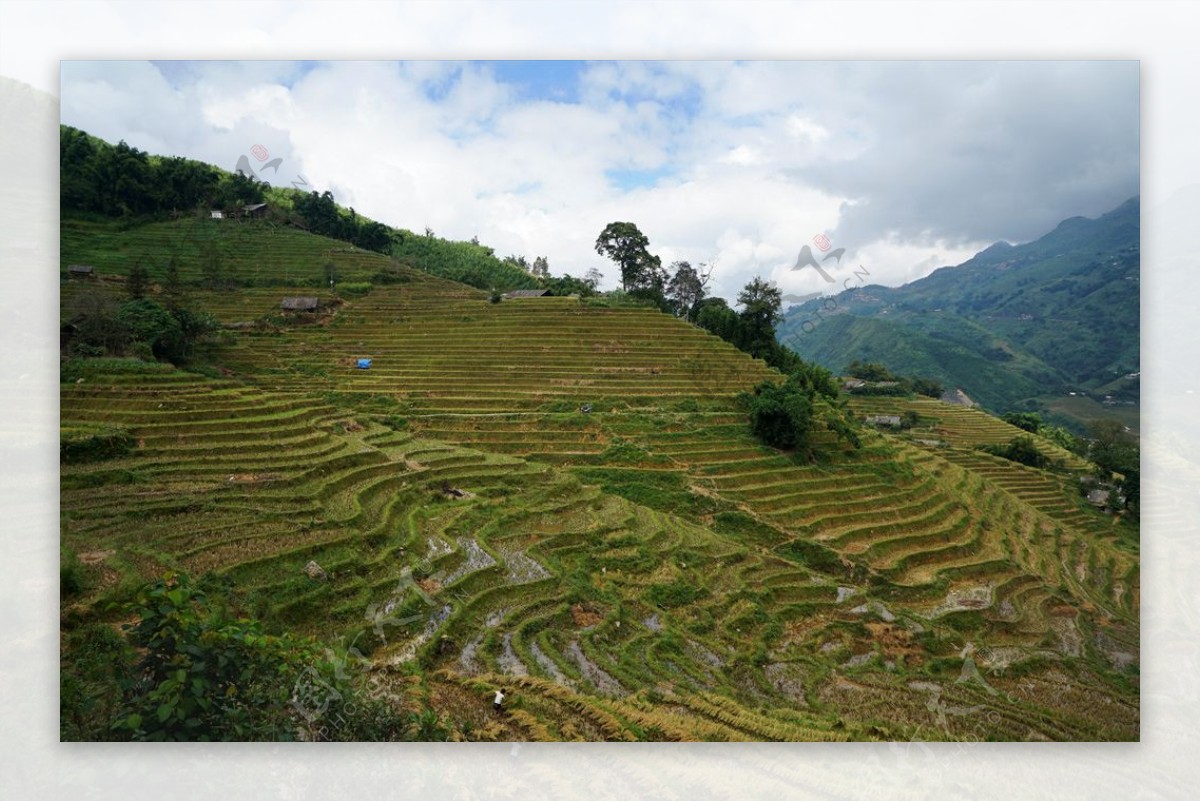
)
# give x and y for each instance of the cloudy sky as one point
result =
(907, 165)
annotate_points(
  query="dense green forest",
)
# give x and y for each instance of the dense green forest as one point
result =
(124, 182)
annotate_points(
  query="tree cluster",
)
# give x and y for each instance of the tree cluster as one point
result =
(678, 291)
(188, 671)
(1020, 449)
(569, 285)
(781, 415)
(1115, 452)
(168, 330)
(884, 382)
(563, 285)
(784, 415)
(1029, 421)
(539, 269)
(753, 328)
(1032, 422)
(687, 288)
(122, 181)
(626, 245)
(320, 215)
(466, 262)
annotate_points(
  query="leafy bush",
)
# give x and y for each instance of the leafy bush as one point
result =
(780, 415)
(888, 383)
(92, 442)
(821, 558)
(354, 288)
(623, 451)
(149, 322)
(842, 424)
(394, 422)
(870, 371)
(95, 661)
(95, 329)
(1020, 449)
(1029, 421)
(569, 285)
(674, 594)
(815, 380)
(467, 262)
(390, 275)
(783, 415)
(201, 676)
(927, 387)
(140, 350)
(1131, 489)
(72, 370)
(81, 348)
(1060, 436)
(1112, 448)
(72, 577)
(195, 325)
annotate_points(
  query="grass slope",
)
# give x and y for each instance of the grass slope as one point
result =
(644, 571)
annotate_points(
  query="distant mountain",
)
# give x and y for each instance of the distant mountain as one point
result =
(1010, 325)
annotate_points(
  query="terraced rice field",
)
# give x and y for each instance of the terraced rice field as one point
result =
(954, 432)
(641, 571)
(255, 251)
(522, 355)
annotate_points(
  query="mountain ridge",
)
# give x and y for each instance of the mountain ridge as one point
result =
(1060, 311)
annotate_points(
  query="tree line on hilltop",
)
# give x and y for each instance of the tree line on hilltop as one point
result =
(122, 181)
(782, 415)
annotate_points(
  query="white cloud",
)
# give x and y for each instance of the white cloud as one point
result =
(737, 163)
(224, 109)
(743, 155)
(803, 128)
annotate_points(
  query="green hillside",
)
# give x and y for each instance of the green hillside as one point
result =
(110, 192)
(248, 252)
(891, 342)
(642, 571)
(557, 496)
(1015, 326)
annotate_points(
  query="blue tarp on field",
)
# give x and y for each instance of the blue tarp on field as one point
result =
(364, 364)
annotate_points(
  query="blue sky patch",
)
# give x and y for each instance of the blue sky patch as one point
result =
(555, 81)
(627, 180)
